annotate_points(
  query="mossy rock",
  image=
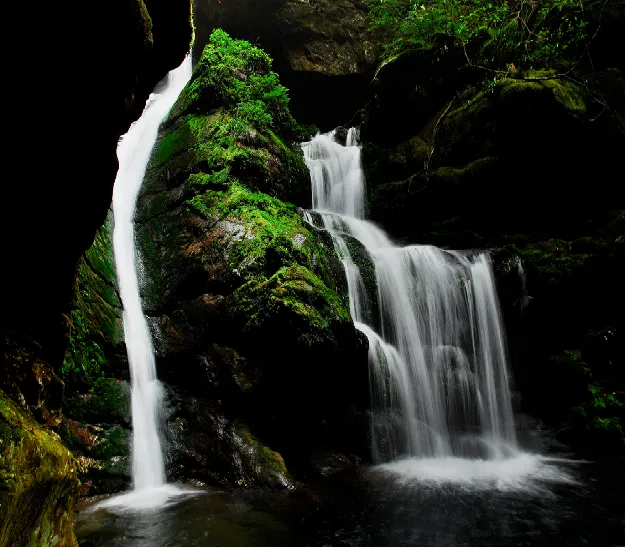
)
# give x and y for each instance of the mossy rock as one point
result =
(96, 333)
(260, 464)
(295, 301)
(108, 402)
(552, 261)
(38, 482)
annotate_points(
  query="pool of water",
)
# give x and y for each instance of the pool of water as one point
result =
(547, 502)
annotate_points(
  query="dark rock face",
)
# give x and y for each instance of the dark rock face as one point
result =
(536, 135)
(96, 66)
(322, 49)
(84, 74)
(252, 330)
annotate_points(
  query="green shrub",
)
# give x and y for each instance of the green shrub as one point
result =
(515, 31)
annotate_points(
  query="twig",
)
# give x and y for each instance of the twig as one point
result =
(434, 133)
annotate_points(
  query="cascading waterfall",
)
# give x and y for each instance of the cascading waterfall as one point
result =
(440, 383)
(134, 149)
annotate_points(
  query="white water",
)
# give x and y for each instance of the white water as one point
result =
(133, 152)
(439, 375)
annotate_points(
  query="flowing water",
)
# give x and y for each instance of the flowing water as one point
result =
(440, 383)
(133, 152)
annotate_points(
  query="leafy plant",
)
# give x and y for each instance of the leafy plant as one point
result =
(237, 76)
(520, 32)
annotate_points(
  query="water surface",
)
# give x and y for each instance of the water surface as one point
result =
(376, 507)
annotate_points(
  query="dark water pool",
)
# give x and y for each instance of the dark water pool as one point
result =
(373, 507)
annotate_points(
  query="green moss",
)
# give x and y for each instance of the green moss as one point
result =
(113, 442)
(38, 482)
(236, 75)
(268, 224)
(261, 457)
(552, 261)
(565, 93)
(108, 401)
(95, 319)
(170, 144)
(296, 293)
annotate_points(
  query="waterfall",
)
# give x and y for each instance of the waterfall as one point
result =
(133, 151)
(440, 386)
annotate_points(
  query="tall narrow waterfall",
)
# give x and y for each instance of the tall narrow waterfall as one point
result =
(440, 384)
(134, 151)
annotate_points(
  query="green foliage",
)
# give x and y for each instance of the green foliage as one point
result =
(597, 411)
(237, 76)
(515, 31)
(600, 414)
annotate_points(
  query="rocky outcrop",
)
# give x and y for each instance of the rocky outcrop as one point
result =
(96, 408)
(251, 323)
(96, 338)
(96, 427)
(322, 49)
(566, 331)
(536, 132)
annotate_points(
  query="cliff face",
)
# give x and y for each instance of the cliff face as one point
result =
(322, 49)
(82, 76)
(89, 79)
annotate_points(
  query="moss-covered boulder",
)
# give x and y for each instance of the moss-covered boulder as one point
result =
(97, 429)
(250, 314)
(204, 442)
(103, 453)
(38, 482)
